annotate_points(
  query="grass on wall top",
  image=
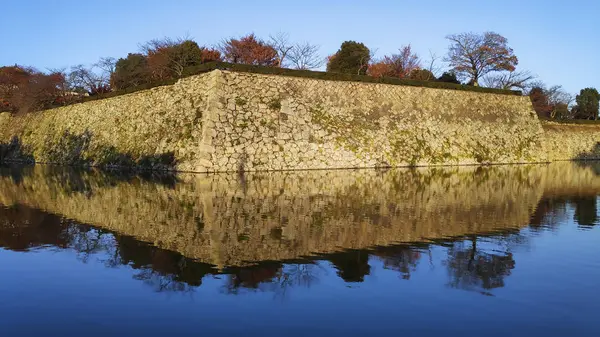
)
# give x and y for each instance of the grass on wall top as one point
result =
(207, 67)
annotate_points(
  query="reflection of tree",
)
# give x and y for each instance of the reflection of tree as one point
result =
(162, 283)
(586, 212)
(164, 270)
(352, 266)
(16, 173)
(23, 228)
(274, 277)
(402, 259)
(88, 241)
(548, 213)
(472, 269)
(251, 277)
(551, 212)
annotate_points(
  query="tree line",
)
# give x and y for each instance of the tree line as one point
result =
(472, 59)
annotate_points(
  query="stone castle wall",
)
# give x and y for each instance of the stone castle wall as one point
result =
(229, 121)
(264, 122)
(571, 141)
(150, 123)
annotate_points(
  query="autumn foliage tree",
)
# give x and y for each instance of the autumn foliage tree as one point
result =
(249, 50)
(540, 102)
(24, 89)
(550, 102)
(169, 58)
(399, 65)
(473, 56)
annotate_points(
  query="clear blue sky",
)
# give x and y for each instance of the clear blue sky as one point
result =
(557, 40)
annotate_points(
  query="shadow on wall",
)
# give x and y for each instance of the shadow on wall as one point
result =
(594, 154)
(78, 150)
(14, 151)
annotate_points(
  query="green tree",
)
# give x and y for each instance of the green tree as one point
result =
(352, 58)
(449, 77)
(588, 102)
(130, 72)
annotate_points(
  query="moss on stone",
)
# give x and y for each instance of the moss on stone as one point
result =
(275, 104)
(239, 101)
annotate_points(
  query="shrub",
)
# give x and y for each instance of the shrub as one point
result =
(203, 68)
(343, 77)
(449, 77)
(380, 69)
(421, 75)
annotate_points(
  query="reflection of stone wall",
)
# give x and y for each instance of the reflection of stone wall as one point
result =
(225, 220)
(572, 179)
(328, 211)
(227, 121)
(571, 141)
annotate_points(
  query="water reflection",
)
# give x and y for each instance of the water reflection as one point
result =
(471, 268)
(276, 231)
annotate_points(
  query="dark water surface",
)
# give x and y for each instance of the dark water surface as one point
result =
(492, 251)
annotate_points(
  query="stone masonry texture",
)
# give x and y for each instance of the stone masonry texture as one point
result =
(231, 121)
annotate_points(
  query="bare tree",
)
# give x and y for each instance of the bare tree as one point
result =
(281, 43)
(556, 94)
(81, 78)
(305, 56)
(107, 65)
(550, 102)
(365, 61)
(509, 80)
(407, 61)
(433, 64)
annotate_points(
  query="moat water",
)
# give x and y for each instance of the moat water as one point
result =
(471, 251)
